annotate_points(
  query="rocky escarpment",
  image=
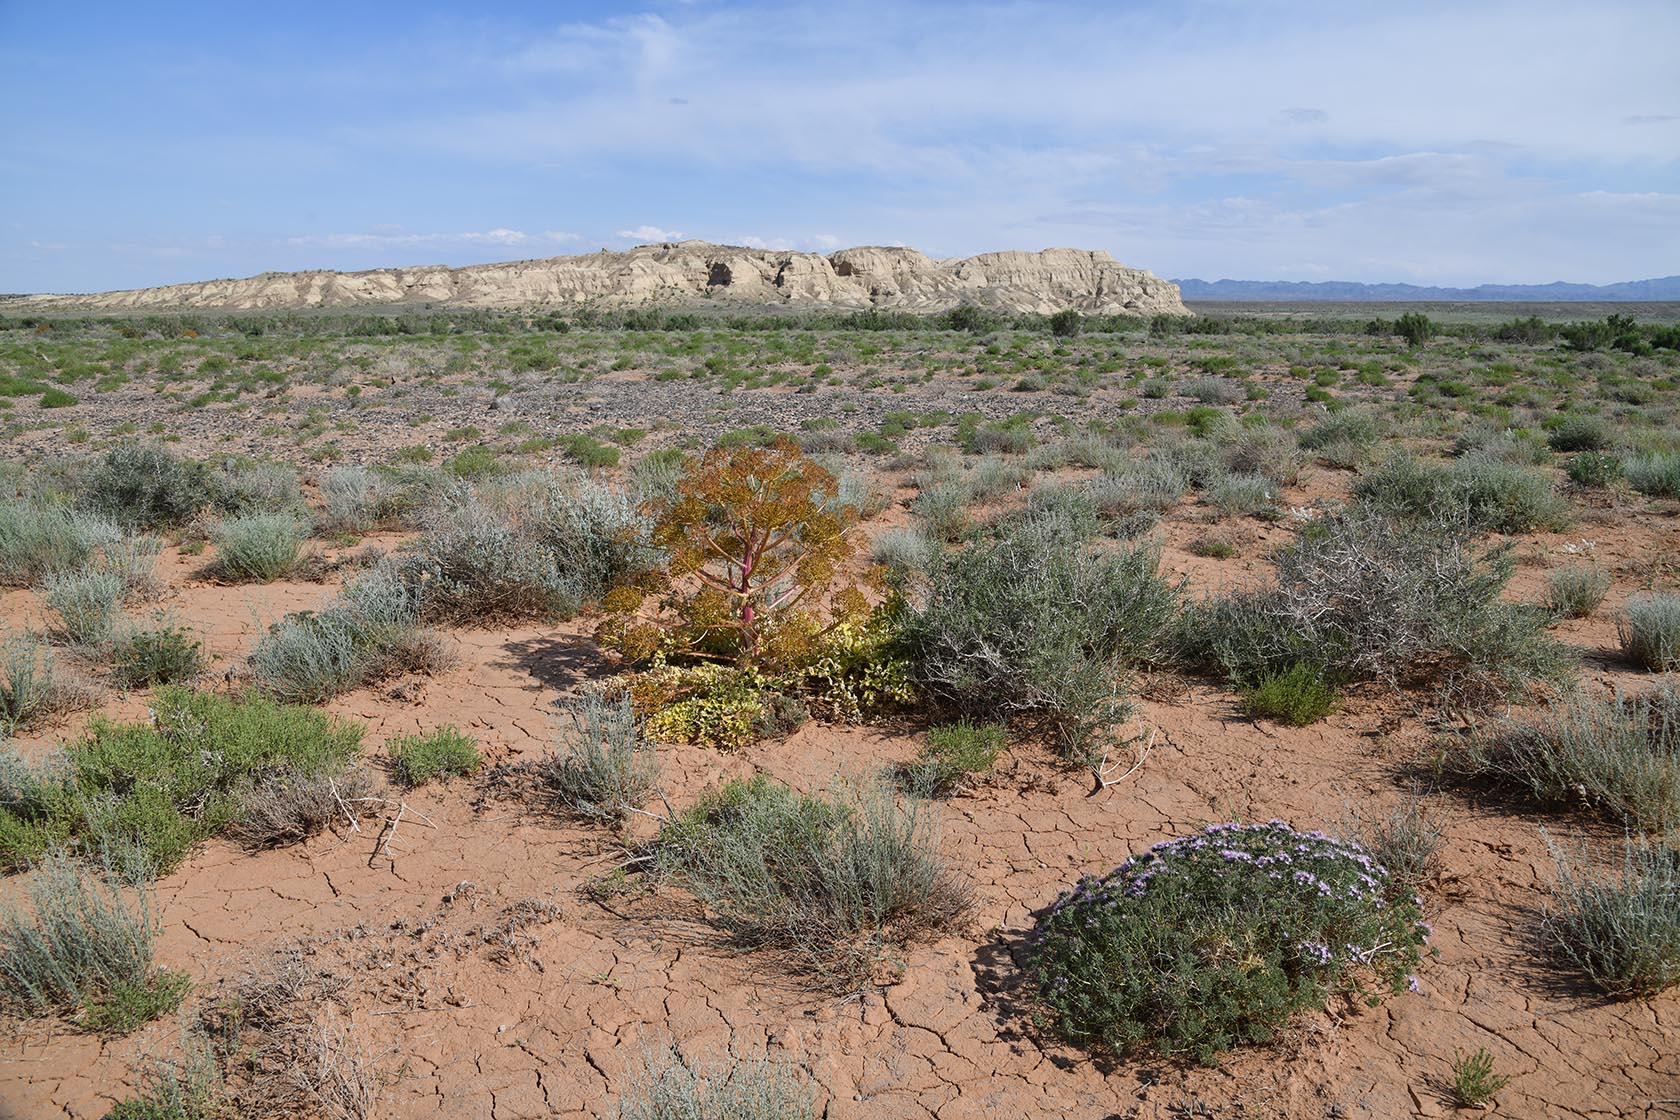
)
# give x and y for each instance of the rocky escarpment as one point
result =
(686, 272)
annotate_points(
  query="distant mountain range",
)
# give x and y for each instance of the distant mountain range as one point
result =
(1660, 289)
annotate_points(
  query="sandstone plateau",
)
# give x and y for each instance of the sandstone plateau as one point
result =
(685, 273)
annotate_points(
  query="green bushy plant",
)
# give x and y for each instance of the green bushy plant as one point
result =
(1298, 696)
(1477, 491)
(1582, 432)
(1622, 932)
(832, 884)
(1649, 629)
(258, 547)
(150, 791)
(1035, 624)
(1217, 939)
(952, 755)
(163, 653)
(445, 753)
(1619, 755)
(1594, 469)
(1475, 1084)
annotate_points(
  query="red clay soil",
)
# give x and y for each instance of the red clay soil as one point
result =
(470, 1013)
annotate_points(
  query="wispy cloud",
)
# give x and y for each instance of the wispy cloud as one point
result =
(392, 239)
(651, 233)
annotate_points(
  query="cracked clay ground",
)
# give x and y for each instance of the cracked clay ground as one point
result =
(552, 1016)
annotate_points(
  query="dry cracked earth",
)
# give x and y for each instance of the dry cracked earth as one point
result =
(484, 981)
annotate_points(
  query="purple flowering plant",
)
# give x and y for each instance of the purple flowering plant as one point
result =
(1217, 939)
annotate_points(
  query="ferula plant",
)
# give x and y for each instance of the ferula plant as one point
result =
(754, 539)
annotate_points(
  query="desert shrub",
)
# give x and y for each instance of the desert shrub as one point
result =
(1344, 439)
(258, 547)
(132, 558)
(902, 551)
(87, 602)
(675, 1088)
(604, 767)
(1656, 473)
(1364, 597)
(1576, 592)
(371, 630)
(240, 488)
(82, 942)
(1415, 328)
(1405, 840)
(1475, 1083)
(596, 535)
(1649, 630)
(1217, 939)
(1622, 933)
(1242, 493)
(289, 806)
(355, 500)
(31, 687)
(445, 753)
(1504, 445)
(189, 1087)
(951, 755)
(833, 884)
(1619, 755)
(150, 791)
(752, 570)
(1214, 390)
(1298, 696)
(472, 565)
(39, 540)
(860, 490)
(1264, 451)
(1594, 469)
(943, 507)
(1035, 624)
(1582, 432)
(654, 477)
(1156, 483)
(147, 656)
(1482, 493)
(146, 487)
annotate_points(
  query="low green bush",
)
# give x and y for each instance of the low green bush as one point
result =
(951, 756)
(1649, 629)
(1619, 756)
(1576, 592)
(604, 767)
(1478, 492)
(1623, 932)
(163, 653)
(87, 602)
(1475, 1084)
(258, 547)
(1037, 625)
(1595, 469)
(150, 791)
(81, 943)
(445, 753)
(832, 884)
(1298, 696)
(1582, 432)
(146, 487)
(1218, 939)
(37, 541)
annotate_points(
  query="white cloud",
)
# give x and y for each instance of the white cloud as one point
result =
(391, 238)
(645, 234)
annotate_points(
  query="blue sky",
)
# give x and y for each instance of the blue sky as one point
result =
(1428, 142)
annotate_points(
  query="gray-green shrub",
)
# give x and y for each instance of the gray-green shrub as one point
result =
(1577, 591)
(675, 1088)
(1478, 492)
(605, 767)
(38, 540)
(1623, 933)
(80, 940)
(1655, 473)
(258, 547)
(145, 486)
(1619, 755)
(87, 602)
(830, 883)
(1035, 624)
(1649, 629)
